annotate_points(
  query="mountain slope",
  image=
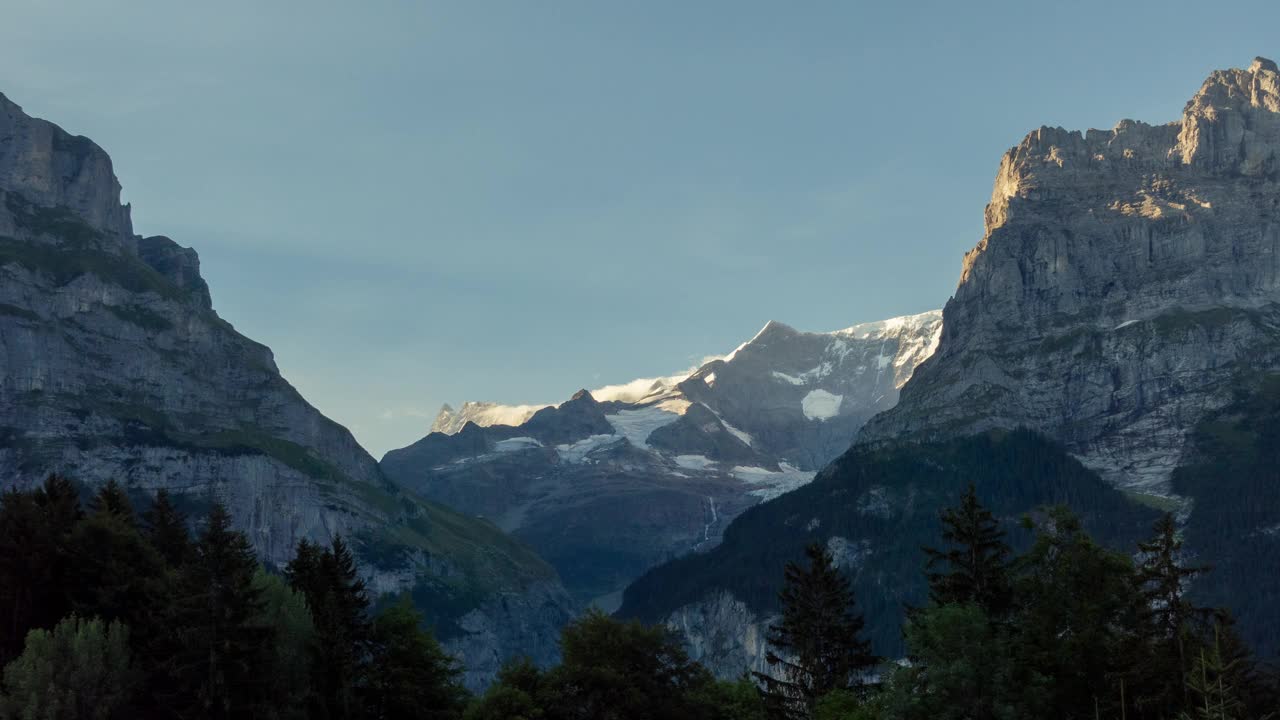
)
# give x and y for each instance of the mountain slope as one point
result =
(113, 364)
(1126, 277)
(1124, 302)
(874, 510)
(616, 480)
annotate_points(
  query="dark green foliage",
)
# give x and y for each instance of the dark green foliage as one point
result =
(734, 700)
(1079, 618)
(36, 559)
(1213, 685)
(889, 498)
(623, 671)
(1232, 477)
(339, 605)
(79, 671)
(611, 670)
(817, 646)
(409, 675)
(975, 566)
(221, 650)
(211, 633)
(166, 530)
(964, 666)
(115, 573)
(1163, 579)
(111, 499)
(289, 669)
(517, 694)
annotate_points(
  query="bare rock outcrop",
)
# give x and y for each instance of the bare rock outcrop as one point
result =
(114, 365)
(1126, 280)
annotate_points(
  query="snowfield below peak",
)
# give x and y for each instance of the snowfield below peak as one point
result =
(821, 405)
(635, 473)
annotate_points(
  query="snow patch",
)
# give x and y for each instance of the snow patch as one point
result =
(787, 378)
(694, 462)
(637, 425)
(579, 451)
(770, 484)
(516, 444)
(821, 405)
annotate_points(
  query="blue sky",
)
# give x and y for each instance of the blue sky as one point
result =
(416, 203)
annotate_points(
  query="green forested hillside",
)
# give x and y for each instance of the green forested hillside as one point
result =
(884, 504)
(1232, 475)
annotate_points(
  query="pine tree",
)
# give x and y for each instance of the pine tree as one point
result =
(339, 606)
(166, 529)
(1211, 685)
(222, 656)
(115, 573)
(1078, 615)
(976, 563)
(817, 646)
(1163, 580)
(112, 499)
(36, 560)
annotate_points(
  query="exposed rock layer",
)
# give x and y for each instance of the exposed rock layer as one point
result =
(114, 365)
(1126, 279)
(606, 488)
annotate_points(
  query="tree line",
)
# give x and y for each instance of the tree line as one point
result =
(1068, 629)
(108, 613)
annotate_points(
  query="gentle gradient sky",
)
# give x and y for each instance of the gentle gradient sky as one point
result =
(422, 202)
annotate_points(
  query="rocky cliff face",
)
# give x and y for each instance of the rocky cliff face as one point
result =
(1124, 301)
(1126, 281)
(614, 481)
(113, 364)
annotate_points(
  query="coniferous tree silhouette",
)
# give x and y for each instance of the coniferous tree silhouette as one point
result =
(975, 568)
(817, 646)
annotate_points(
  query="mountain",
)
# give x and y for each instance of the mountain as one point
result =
(614, 481)
(1126, 280)
(873, 509)
(1123, 306)
(113, 364)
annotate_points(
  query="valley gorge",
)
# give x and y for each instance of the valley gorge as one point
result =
(1112, 345)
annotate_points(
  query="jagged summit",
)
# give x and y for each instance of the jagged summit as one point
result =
(1261, 63)
(631, 474)
(51, 168)
(1124, 279)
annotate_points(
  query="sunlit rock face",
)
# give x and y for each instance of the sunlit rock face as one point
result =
(616, 480)
(1126, 280)
(113, 365)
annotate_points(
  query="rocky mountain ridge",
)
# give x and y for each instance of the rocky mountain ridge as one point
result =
(113, 364)
(1125, 281)
(605, 487)
(1124, 301)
